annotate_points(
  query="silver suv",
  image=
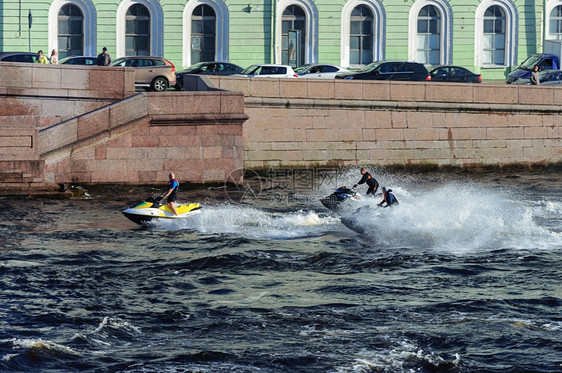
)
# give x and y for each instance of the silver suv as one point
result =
(154, 73)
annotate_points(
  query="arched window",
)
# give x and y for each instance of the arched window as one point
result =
(72, 28)
(293, 36)
(137, 31)
(493, 47)
(428, 36)
(555, 23)
(361, 36)
(213, 12)
(296, 23)
(203, 34)
(70, 39)
(430, 32)
(495, 38)
(362, 32)
(140, 28)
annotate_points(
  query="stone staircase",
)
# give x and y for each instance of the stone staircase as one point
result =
(17, 178)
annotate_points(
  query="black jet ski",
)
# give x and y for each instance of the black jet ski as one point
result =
(343, 199)
(361, 220)
(153, 208)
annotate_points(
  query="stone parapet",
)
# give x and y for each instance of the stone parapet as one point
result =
(307, 123)
(495, 94)
(65, 81)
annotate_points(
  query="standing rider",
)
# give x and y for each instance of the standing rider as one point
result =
(171, 195)
(370, 180)
(388, 197)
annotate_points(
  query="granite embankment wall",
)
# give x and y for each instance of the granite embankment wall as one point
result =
(311, 123)
(197, 135)
(63, 124)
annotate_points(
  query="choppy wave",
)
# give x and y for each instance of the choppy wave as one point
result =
(461, 277)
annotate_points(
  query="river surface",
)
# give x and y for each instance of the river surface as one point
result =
(465, 275)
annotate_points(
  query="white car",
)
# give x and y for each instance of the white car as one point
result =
(268, 71)
(319, 71)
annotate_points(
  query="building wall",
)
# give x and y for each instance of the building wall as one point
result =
(250, 34)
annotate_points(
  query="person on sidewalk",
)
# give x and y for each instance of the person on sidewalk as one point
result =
(104, 59)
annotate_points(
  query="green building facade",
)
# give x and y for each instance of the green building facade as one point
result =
(486, 36)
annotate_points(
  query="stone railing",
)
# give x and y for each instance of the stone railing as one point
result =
(317, 123)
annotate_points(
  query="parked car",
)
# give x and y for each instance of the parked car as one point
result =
(389, 70)
(547, 77)
(207, 68)
(454, 74)
(18, 57)
(79, 60)
(268, 71)
(154, 73)
(319, 71)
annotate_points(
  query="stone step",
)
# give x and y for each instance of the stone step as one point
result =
(33, 190)
(17, 176)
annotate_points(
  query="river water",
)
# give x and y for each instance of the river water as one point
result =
(464, 276)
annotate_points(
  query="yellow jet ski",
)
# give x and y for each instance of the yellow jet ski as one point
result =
(152, 209)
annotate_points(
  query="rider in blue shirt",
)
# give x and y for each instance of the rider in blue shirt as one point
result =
(172, 193)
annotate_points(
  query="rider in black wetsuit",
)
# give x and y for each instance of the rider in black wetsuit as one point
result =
(388, 198)
(370, 180)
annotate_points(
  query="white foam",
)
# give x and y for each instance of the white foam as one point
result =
(118, 324)
(458, 218)
(40, 344)
(254, 222)
(393, 359)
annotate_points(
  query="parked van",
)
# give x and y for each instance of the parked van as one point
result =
(548, 60)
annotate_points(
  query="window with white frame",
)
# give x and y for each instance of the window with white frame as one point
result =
(72, 27)
(296, 24)
(494, 39)
(293, 48)
(430, 32)
(203, 32)
(429, 36)
(140, 28)
(495, 34)
(555, 23)
(70, 39)
(137, 31)
(361, 36)
(362, 32)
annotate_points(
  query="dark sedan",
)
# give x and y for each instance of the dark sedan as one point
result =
(389, 70)
(79, 60)
(18, 57)
(207, 68)
(453, 74)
